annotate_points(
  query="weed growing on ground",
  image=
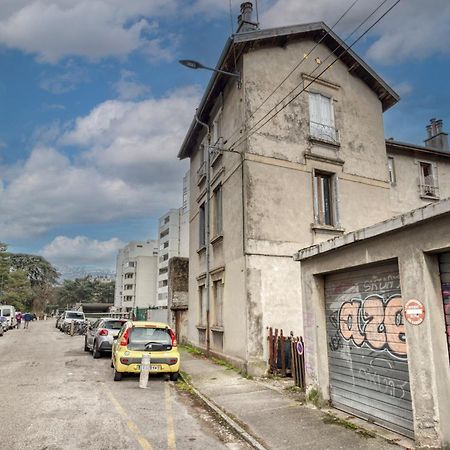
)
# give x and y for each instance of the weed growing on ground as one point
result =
(183, 383)
(314, 397)
(330, 419)
(192, 350)
(223, 363)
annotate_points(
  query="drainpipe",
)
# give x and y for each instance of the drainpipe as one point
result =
(208, 192)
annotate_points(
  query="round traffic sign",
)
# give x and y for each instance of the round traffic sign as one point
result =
(414, 312)
(300, 348)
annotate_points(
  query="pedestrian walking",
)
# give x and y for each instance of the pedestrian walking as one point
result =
(27, 318)
(19, 319)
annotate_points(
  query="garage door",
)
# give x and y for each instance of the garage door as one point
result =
(368, 360)
(444, 266)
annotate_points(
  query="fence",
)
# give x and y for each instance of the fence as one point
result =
(286, 356)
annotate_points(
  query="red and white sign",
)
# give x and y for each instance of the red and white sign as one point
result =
(414, 312)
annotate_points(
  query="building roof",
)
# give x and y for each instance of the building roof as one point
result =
(411, 218)
(242, 41)
(391, 144)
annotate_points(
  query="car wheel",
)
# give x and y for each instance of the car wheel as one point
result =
(174, 376)
(117, 375)
(86, 348)
(95, 351)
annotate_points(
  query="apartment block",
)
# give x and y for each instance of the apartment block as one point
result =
(136, 276)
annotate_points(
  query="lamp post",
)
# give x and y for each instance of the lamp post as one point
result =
(196, 65)
(191, 64)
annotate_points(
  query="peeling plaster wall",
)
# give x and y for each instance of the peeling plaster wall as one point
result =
(405, 193)
(416, 248)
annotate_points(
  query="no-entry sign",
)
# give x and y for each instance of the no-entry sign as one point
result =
(414, 312)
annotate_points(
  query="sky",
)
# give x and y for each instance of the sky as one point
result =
(94, 105)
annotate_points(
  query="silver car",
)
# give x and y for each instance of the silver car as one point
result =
(100, 336)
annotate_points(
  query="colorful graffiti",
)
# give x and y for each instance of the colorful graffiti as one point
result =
(372, 322)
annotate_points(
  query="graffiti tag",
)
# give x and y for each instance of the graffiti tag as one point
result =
(375, 323)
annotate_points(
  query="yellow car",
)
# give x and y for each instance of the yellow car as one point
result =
(135, 339)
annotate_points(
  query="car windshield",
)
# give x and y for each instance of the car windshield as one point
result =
(142, 336)
(74, 315)
(6, 312)
(113, 324)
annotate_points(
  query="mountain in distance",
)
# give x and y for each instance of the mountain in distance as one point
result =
(72, 272)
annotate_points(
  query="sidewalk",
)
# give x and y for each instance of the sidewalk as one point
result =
(270, 416)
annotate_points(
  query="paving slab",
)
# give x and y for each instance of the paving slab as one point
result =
(273, 418)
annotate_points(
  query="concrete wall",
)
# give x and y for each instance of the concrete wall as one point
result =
(415, 248)
(405, 192)
(270, 215)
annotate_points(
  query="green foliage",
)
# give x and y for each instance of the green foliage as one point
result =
(85, 290)
(314, 396)
(37, 268)
(18, 291)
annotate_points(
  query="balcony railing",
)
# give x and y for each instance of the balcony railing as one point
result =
(324, 132)
(429, 190)
(216, 153)
(201, 172)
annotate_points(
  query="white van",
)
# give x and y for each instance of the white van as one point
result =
(9, 312)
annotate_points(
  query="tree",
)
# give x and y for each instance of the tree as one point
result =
(4, 267)
(18, 291)
(41, 276)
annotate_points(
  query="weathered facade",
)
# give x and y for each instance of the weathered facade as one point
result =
(316, 170)
(178, 296)
(366, 350)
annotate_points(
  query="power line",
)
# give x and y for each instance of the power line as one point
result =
(315, 69)
(253, 129)
(299, 64)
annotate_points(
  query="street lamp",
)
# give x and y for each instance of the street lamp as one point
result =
(196, 65)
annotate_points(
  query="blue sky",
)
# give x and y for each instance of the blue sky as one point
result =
(94, 105)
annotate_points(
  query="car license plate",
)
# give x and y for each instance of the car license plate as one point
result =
(153, 367)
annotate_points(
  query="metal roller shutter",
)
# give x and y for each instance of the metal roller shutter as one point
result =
(444, 267)
(367, 346)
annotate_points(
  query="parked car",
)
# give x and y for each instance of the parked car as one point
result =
(100, 336)
(135, 339)
(9, 312)
(4, 324)
(69, 317)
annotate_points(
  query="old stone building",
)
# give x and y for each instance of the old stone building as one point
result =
(278, 183)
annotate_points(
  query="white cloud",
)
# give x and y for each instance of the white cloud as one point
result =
(123, 165)
(66, 81)
(81, 250)
(413, 30)
(128, 88)
(54, 29)
(138, 141)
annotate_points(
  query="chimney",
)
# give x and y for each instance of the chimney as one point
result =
(245, 22)
(437, 138)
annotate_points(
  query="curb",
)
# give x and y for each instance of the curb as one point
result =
(231, 422)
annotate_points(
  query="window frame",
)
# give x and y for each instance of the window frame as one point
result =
(334, 140)
(433, 193)
(202, 226)
(218, 210)
(319, 201)
(391, 170)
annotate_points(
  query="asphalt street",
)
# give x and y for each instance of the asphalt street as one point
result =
(56, 396)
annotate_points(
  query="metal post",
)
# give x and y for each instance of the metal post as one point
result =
(208, 192)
